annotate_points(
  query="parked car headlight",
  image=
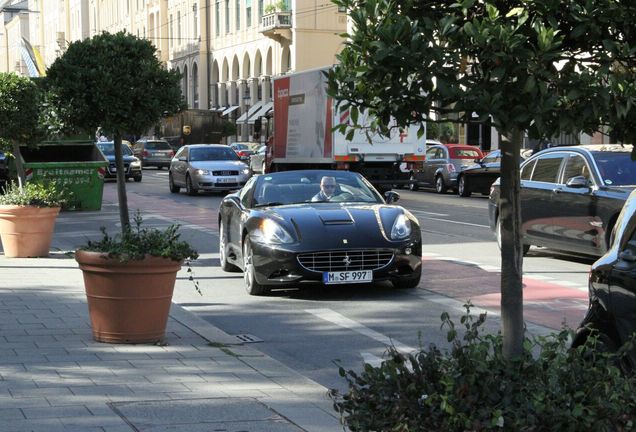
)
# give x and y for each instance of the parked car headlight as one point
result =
(401, 227)
(202, 172)
(272, 233)
(246, 171)
(135, 163)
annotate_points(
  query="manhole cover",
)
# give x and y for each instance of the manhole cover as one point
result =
(203, 415)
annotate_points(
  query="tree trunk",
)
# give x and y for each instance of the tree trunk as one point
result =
(18, 164)
(121, 184)
(511, 249)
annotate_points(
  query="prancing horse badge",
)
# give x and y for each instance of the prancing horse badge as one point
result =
(344, 241)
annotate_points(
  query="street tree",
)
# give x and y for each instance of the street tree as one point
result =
(537, 67)
(20, 99)
(116, 82)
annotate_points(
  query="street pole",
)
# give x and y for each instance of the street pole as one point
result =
(245, 134)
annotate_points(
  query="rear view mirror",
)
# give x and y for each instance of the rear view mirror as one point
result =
(577, 182)
(391, 197)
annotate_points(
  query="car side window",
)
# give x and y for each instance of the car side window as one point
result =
(431, 154)
(575, 166)
(547, 168)
(526, 171)
(180, 152)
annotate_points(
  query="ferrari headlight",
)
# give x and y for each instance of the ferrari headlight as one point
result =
(202, 172)
(401, 227)
(246, 171)
(271, 232)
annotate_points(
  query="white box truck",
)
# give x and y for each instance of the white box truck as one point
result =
(303, 135)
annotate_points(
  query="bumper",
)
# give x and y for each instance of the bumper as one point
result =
(211, 183)
(275, 265)
(131, 172)
(156, 162)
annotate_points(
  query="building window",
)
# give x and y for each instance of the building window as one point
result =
(179, 27)
(260, 9)
(217, 17)
(248, 13)
(227, 16)
(342, 8)
(195, 20)
(171, 31)
(238, 15)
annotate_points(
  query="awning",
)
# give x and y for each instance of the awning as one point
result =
(218, 109)
(265, 109)
(229, 110)
(250, 112)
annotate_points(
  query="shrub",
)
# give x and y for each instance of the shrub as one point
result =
(38, 194)
(137, 242)
(474, 388)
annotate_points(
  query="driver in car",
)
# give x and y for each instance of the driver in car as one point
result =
(328, 188)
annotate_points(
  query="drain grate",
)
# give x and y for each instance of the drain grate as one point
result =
(248, 338)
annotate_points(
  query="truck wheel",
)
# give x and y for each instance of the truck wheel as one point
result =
(413, 183)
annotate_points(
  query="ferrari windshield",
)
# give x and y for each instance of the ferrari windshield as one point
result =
(293, 187)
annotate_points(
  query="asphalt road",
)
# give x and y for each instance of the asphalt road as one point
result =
(315, 329)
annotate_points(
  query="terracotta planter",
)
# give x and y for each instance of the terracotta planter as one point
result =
(128, 302)
(27, 231)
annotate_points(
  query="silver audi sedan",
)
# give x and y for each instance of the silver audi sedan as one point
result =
(206, 167)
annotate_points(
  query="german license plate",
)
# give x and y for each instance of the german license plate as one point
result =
(226, 180)
(346, 277)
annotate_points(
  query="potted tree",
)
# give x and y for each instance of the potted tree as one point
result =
(27, 218)
(129, 281)
(122, 88)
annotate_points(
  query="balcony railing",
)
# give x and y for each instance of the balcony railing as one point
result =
(276, 21)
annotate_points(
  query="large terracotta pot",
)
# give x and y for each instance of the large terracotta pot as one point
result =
(27, 231)
(128, 302)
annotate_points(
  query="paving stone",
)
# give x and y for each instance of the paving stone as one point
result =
(10, 414)
(220, 414)
(56, 412)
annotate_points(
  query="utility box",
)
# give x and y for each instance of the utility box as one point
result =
(76, 165)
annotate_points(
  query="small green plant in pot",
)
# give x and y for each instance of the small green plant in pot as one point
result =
(27, 217)
(129, 280)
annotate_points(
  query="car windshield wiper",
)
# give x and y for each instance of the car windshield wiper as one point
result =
(268, 204)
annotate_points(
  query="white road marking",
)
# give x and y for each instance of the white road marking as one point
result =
(429, 213)
(457, 222)
(342, 321)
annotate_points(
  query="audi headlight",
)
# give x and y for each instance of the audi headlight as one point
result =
(246, 171)
(202, 172)
(135, 163)
(271, 232)
(401, 227)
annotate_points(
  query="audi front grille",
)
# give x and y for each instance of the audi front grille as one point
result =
(224, 173)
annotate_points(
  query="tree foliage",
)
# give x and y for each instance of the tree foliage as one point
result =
(116, 82)
(539, 67)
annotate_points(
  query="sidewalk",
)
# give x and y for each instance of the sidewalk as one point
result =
(54, 377)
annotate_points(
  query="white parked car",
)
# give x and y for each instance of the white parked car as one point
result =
(207, 167)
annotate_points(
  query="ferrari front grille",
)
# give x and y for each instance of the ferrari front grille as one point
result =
(346, 260)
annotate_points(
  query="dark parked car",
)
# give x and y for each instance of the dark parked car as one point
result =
(157, 153)
(132, 165)
(278, 236)
(571, 197)
(479, 177)
(442, 166)
(612, 289)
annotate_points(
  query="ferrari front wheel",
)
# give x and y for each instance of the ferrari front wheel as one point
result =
(249, 272)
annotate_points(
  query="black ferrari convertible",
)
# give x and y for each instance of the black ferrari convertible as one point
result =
(287, 227)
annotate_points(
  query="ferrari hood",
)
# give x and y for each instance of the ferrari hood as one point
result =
(332, 225)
